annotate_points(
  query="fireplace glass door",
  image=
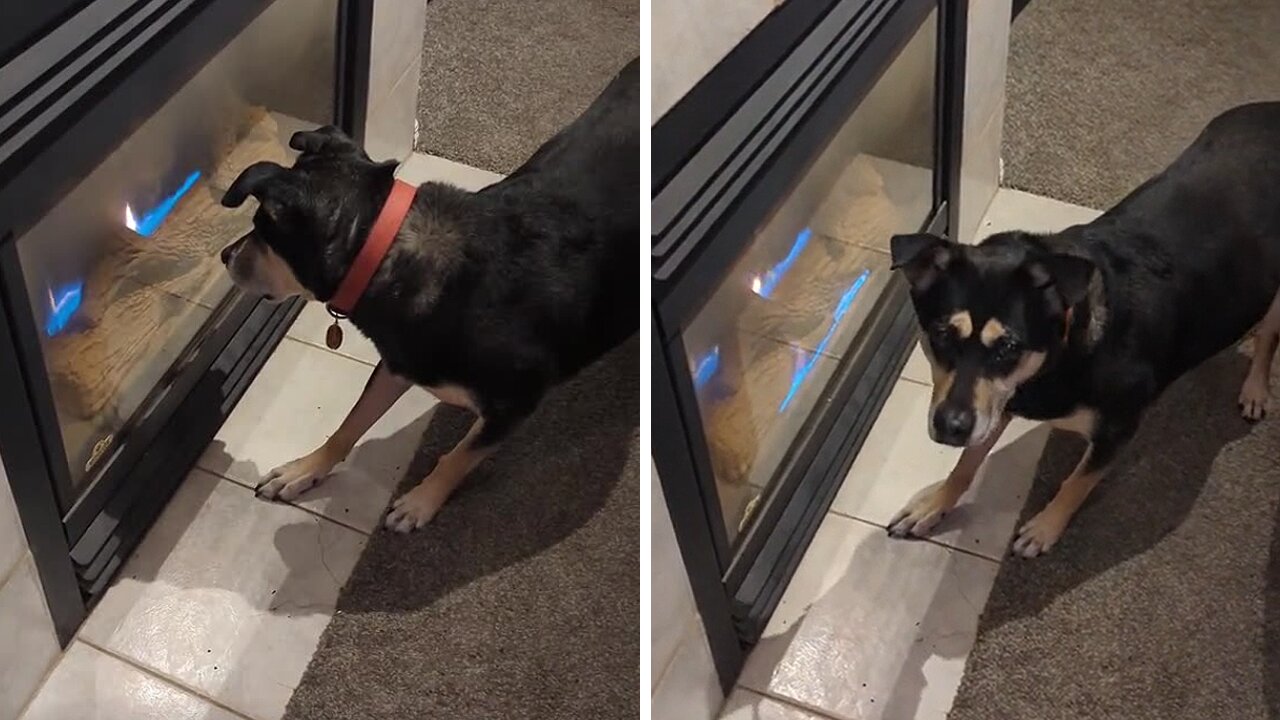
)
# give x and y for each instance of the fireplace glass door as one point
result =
(765, 346)
(123, 276)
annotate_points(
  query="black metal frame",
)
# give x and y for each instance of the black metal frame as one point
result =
(723, 157)
(78, 542)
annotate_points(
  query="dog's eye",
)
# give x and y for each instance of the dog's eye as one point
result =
(1006, 349)
(942, 335)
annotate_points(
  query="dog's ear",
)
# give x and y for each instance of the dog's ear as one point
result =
(1068, 275)
(254, 180)
(327, 140)
(921, 257)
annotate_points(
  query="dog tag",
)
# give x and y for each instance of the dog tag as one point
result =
(333, 336)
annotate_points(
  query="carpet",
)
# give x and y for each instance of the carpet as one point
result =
(521, 599)
(1103, 94)
(500, 77)
(1162, 601)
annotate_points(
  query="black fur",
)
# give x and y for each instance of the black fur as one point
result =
(503, 292)
(1187, 264)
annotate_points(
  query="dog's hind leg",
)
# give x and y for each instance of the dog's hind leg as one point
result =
(294, 478)
(1257, 384)
(418, 506)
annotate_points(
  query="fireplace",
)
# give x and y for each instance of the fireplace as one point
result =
(778, 326)
(122, 342)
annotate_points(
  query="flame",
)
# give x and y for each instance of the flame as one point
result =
(129, 220)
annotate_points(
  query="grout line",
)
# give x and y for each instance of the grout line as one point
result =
(792, 703)
(913, 380)
(44, 679)
(931, 541)
(172, 682)
(7, 575)
(693, 624)
(245, 486)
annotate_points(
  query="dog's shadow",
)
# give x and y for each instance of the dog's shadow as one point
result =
(1144, 497)
(551, 477)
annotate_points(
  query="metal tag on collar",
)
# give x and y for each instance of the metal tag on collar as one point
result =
(333, 336)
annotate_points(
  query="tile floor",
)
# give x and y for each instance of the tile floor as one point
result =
(219, 610)
(873, 628)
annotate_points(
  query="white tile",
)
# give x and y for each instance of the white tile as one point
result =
(296, 402)
(671, 599)
(899, 460)
(227, 595)
(917, 367)
(872, 628)
(421, 168)
(396, 43)
(690, 38)
(29, 645)
(314, 321)
(91, 685)
(389, 125)
(979, 176)
(746, 705)
(13, 542)
(690, 688)
(1018, 210)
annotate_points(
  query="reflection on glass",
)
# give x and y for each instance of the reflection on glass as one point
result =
(767, 343)
(124, 272)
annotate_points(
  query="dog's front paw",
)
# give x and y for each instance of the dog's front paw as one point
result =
(1253, 398)
(414, 509)
(294, 478)
(1040, 533)
(922, 513)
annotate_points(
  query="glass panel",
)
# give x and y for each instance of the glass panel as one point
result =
(124, 272)
(764, 347)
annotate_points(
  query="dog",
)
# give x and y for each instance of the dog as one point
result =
(485, 299)
(1084, 328)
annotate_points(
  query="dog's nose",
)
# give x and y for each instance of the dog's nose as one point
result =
(227, 253)
(953, 424)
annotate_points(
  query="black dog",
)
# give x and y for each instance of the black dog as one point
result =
(487, 299)
(1084, 328)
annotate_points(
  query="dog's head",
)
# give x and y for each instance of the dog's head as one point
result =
(992, 316)
(310, 217)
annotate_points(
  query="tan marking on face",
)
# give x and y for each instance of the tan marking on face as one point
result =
(963, 323)
(992, 331)
(1081, 421)
(990, 395)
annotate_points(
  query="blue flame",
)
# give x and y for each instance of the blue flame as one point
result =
(63, 303)
(774, 275)
(706, 367)
(802, 372)
(151, 221)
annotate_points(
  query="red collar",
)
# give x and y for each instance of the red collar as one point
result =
(375, 248)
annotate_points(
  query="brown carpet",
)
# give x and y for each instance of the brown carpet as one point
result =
(1163, 600)
(520, 601)
(500, 77)
(1102, 94)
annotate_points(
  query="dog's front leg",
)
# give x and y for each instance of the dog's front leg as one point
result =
(294, 478)
(930, 505)
(418, 506)
(1042, 531)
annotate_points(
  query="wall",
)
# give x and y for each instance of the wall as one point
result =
(685, 685)
(690, 36)
(29, 646)
(394, 70)
(988, 52)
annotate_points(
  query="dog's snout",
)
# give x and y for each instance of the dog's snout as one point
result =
(953, 424)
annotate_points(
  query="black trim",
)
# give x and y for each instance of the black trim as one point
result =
(1018, 7)
(353, 47)
(743, 146)
(22, 452)
(690, 507)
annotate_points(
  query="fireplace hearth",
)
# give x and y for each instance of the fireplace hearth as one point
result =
(123, 344)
